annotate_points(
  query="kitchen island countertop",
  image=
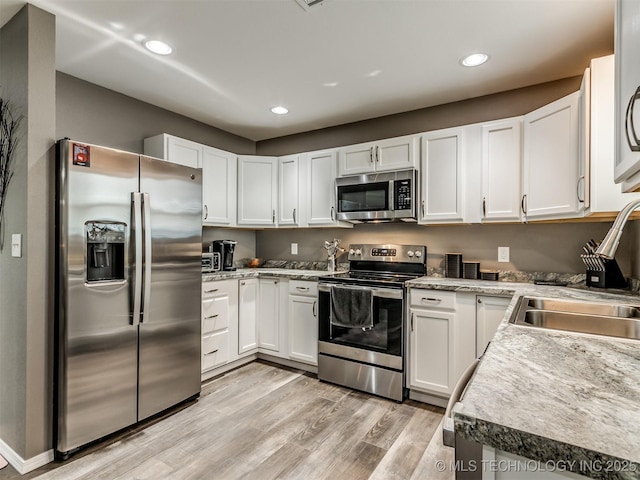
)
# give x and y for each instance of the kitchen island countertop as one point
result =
(554, 396)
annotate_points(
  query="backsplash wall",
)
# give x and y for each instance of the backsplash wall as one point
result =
(551, 247)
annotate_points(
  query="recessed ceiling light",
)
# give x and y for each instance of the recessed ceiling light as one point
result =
(474, 60)
(156, 46)
(279, 110)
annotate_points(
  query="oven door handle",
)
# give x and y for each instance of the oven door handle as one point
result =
(394, 293)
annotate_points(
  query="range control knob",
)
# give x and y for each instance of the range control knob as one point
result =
(358, 251)
(351, 251)
(409, 254)
(418, 253)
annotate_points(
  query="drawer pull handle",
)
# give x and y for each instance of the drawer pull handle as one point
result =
(303, 289)
(212, 291)
(429, 299)
(212, 352)
(211, 316)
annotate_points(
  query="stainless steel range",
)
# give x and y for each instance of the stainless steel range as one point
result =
(361, 318)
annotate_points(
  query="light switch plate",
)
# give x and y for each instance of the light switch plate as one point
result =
(294, 249)
(16, 245)
(503, 254)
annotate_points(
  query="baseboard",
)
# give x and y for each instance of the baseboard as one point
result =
(227, 367)
(21, 465)
(288, 363)
(430, 399)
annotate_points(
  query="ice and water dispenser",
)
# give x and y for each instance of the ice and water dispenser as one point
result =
(105, 251)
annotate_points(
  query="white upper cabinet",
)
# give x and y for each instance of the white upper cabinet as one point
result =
(257, 191)
(501, 160)
(174, 149)
(320, 170)
(441, 177)
(601, 194)
(219, 187)
(551, 161)
(288, 191)
(627, 100)
(384, 155)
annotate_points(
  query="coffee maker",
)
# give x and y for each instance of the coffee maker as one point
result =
(225, 248)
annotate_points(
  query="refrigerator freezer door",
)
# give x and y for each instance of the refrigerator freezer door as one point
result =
(97, 345)
(169, 358)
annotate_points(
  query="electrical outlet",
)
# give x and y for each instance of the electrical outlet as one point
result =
(294, 249)
(503, 254)
(16, 245)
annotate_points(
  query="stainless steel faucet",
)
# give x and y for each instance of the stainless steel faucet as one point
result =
(609, 244)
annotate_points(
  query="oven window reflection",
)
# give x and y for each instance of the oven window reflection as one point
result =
(386, 334)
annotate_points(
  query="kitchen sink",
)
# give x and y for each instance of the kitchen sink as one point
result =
(612, 320)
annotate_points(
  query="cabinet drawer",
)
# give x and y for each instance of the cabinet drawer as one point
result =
(432, 299)
(303, 287)
(215, 314)
(215, 288)
(215, 350)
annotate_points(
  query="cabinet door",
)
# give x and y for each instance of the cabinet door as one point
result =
(501, 160)
(441, 171)
(627, 100)
(219, 185)
(490, 312)
(356, 159)
(431, 362)
(247, 321)
(303, 329)
(269, 317)
(551, 160)
(257, 190)
(184, 152)
(288, 181)
(396, 153)
(321, 191)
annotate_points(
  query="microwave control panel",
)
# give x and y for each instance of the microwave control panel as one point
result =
(403, 194)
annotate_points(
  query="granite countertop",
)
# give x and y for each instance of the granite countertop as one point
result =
(290, 273)
(553, 396)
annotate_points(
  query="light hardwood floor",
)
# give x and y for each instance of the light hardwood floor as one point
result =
(264, 422)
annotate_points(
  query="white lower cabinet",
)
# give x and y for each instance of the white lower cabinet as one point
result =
(442, 336)
(269, 315)
(219, 317)
(490, 311)
(303, 321)
(247, 316)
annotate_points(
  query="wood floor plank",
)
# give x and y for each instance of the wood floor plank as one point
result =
(404, 455)
(436, 451)
(387, 429)
(266, 422)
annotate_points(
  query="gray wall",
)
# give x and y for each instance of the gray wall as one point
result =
(93, 114)
(246, 247)
(27, 77)
(534, 247)
(480, 109)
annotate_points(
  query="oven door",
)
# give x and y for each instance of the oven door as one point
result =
(378, 344)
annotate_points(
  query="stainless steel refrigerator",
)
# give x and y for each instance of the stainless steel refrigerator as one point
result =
(129, 232)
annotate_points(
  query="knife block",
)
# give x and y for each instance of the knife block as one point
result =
(609, 276)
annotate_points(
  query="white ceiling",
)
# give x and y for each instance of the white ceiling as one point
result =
(343, 61)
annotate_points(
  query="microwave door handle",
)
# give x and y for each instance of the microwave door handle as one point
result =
(391, 196)
(137, 258)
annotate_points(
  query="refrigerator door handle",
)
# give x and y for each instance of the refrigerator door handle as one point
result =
(136, 295)
(146, 232)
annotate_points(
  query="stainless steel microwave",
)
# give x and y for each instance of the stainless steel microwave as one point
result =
(375, 197)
